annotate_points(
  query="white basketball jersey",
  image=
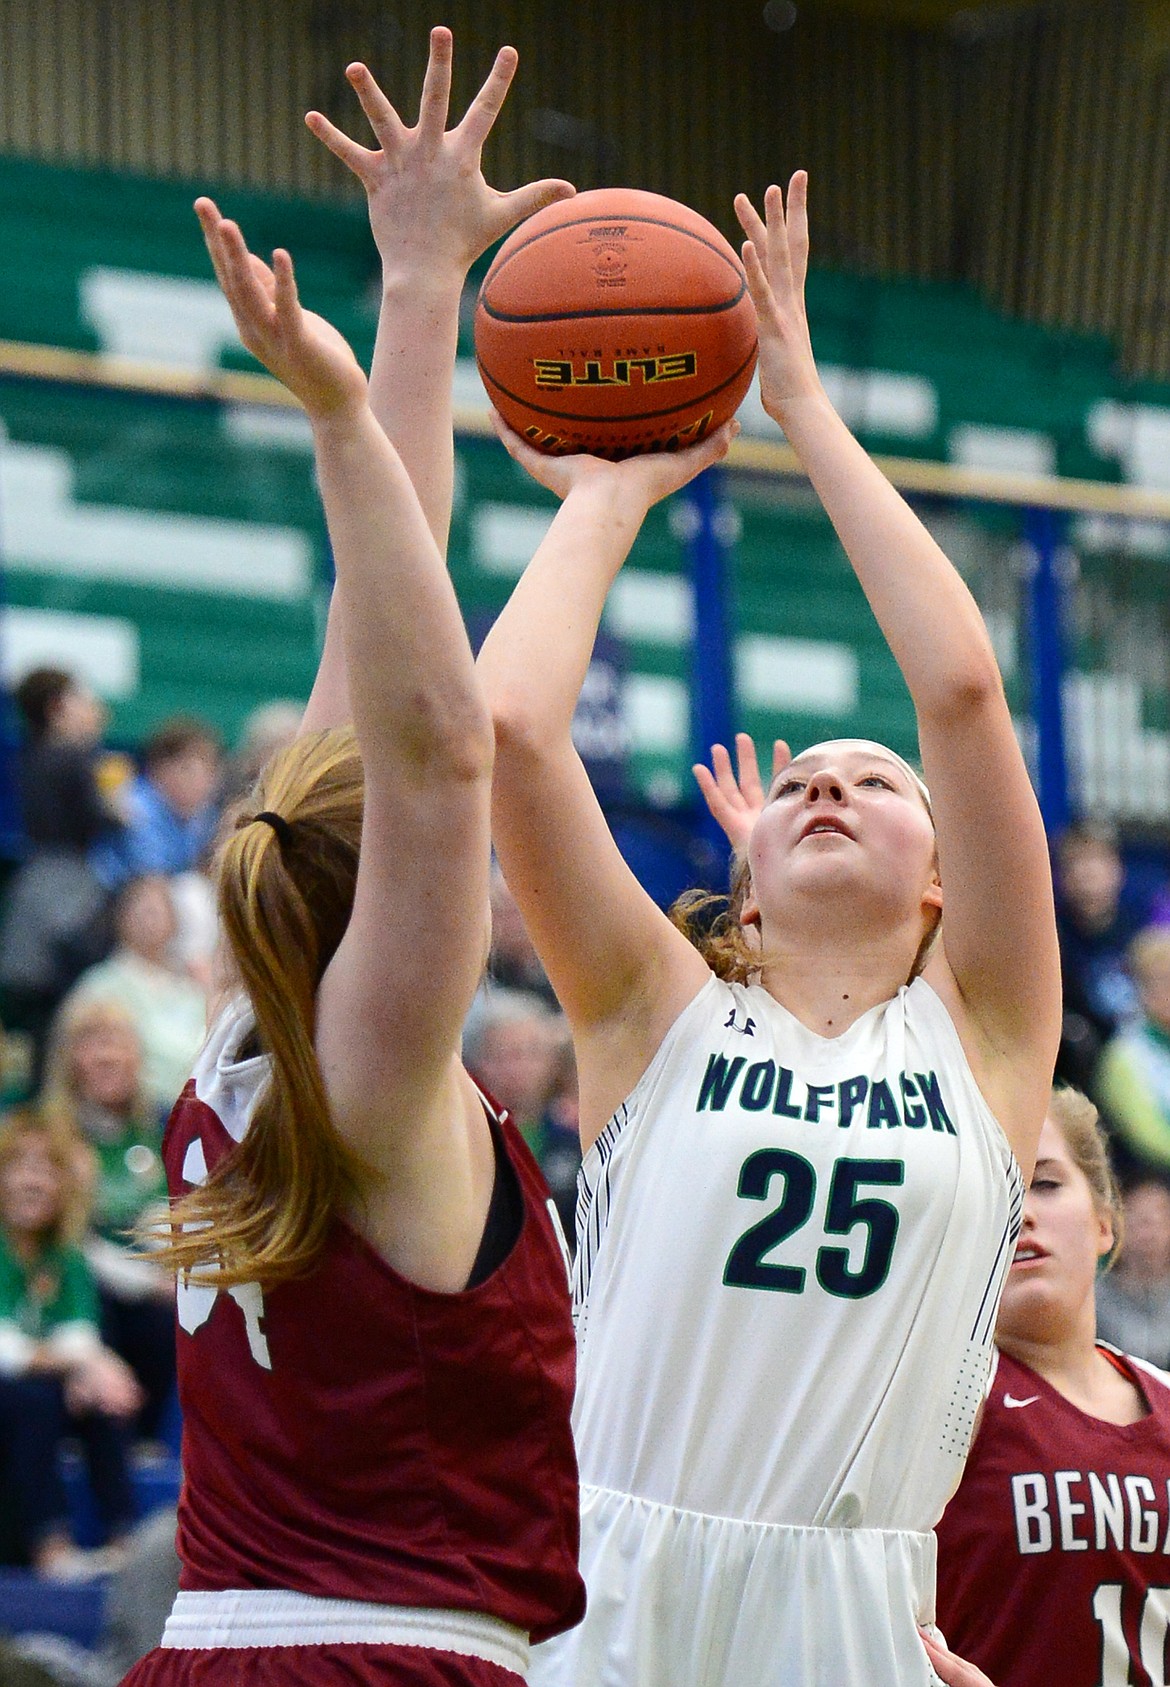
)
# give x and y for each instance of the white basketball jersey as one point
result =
(790, 1254)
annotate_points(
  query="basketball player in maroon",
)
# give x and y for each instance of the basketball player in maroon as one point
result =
(1054, 1553)
(375, 1348)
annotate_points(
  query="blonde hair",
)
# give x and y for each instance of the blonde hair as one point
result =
(1080, 1125)
(73, 1159)
(77, 1018)
(285, 898)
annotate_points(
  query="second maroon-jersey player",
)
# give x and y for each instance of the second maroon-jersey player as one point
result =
(1054, 1553)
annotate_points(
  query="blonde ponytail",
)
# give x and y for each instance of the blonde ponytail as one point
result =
(286, 887)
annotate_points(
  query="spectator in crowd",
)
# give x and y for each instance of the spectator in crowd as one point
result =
(55, 924)
(512, 959)
(267, 729)
(56, 1376)
(1133, 1301)
(171, 812)
(94, 1094)
(1095, 929)
(514, 1047)
(1133, 1077)
(166, 1004)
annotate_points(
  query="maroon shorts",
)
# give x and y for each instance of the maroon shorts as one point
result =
(315, 1666)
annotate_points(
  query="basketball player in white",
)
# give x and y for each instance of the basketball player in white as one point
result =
(803, 1155)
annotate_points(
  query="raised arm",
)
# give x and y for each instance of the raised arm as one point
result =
(998, 966)
(432, 214)
(387, 1038)
(620, 969)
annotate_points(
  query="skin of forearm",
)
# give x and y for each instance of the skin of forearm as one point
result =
(534, 661)
(398, 609)
(410, 381)
(929, 618)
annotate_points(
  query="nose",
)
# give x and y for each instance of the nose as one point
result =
(825, 786)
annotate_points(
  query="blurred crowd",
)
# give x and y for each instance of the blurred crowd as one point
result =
(107, 951)
(108, 936)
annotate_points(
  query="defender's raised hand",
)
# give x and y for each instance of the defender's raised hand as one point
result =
(775, 256)
(301, 349)
(735, 799)
(430, 206)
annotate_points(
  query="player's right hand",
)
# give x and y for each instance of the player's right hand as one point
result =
(640, 481)
(431, 211)
(304, 351)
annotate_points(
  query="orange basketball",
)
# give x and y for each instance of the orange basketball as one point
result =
(615, 323)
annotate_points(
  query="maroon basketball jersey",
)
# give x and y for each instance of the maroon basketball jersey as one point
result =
(353, 1436)
(1054, 1553)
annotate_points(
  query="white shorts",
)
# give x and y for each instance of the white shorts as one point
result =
(681, 1599)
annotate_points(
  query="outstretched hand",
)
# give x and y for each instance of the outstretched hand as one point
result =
(775, 257)
(304, 351)
(736, 799)
(645, 480)
(955, 1671)
(431, 211)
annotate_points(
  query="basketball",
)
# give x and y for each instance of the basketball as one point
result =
(617, 322)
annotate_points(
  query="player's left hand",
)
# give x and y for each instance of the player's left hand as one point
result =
(304, 351)
(641, 481)
(955, 1671)
(736, 799)
(431, 211)
(775, 257)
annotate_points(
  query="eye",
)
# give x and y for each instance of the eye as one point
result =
(1044, 1183)
(877, 779)
(786, 786)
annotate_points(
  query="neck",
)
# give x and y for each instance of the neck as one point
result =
(1070, 1362)
(829, 985)
(25, 1245)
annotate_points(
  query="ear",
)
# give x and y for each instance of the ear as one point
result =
(932, 896)
(1104, 1234)
(749, 914)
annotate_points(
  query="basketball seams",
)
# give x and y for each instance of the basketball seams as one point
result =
(637, 416)
(501, 261)
(652, 291)
(610, 313)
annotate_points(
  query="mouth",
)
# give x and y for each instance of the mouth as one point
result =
(824, 825)
(1028, 1254)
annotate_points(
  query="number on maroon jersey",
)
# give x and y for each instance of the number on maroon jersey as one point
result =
(1152, 1631)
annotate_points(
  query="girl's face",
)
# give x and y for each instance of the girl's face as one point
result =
(843, 819)
(31, 1188)
(1063, 1236)
(106, 1066)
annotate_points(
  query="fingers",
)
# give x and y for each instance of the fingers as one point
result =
(436, 91)
(288, 304)
(485, 107)
(797, 221)
(357, 158)
(748, 768)
(758, 284)
(781, 756)
(751, 222)
(380, 114)
(779, 259)
(525, 201)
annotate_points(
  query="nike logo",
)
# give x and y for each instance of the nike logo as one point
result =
(1010, 1400)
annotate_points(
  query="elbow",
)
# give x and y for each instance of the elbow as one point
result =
(453, 738)
(517, 727)
(970, 689)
